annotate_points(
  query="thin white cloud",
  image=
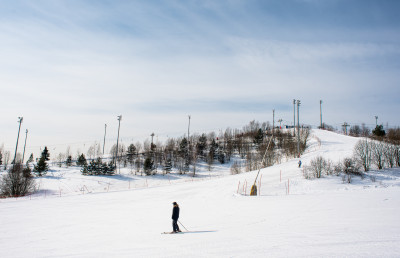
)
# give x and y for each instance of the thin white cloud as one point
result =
(80, 64)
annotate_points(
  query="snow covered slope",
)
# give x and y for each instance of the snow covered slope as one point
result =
(123, 216)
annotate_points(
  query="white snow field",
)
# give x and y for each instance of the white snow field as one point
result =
(123, 215)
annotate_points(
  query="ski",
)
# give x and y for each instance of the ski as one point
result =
(196, 231)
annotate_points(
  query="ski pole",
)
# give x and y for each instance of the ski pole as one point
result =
(182, 225)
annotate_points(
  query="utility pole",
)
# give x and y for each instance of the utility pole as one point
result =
(188, 129)
(116, 152)
(345, 125)
(294, 117)
(23, 155)
(105, 131)
(320, 113)
(298, 128)
(273, 121)
(188, 143)
(376, 121)
(16, 147)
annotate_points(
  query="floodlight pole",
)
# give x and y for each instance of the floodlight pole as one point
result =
(23, 155)
(273, 121)
(320, 113)
(16, 147)
(105, 131)
(294, 117)
(376, 120)
(188, 129)
(298, 128)
(188, 144)
(119, 125)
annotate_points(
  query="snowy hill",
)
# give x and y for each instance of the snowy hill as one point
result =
(123, 215)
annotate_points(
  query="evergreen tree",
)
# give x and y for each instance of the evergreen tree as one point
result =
(81, 161)
(111, 168)
(221, 156)
(213, 152)
(1, 158)
(378, 131)
(202, 145)
(97, 167)
(131, 153)
(69, 161)
(258, 138)
(184, 153)
(30, 159)
(148, 166)
(85, 170)
(42, 167)
(183, 147)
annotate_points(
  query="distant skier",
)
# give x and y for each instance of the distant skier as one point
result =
(299, 163)
(175, 217)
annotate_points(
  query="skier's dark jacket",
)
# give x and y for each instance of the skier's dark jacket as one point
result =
(175, 212)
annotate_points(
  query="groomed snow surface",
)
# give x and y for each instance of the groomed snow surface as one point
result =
(123, 216)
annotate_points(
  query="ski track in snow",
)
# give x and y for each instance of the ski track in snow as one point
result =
(123, 215)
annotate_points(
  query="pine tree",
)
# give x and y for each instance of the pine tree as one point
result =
(69, 161)
(131, 153)
(42, 167)
(97, 167)
(202, 145)
(258, 138)
(85, 170)
(213, 152)
(30, 159)
(81, 161)
(111, 168)
(221, 156)
(148, 166)
(378, 131)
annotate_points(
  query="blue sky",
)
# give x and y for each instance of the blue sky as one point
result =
(69, 67)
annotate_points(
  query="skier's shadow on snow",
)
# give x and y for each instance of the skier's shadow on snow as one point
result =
(199, 231)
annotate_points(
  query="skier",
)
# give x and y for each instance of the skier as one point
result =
(175, 217)
(299, 163)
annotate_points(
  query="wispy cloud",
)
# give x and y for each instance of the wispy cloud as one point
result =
(81, 63)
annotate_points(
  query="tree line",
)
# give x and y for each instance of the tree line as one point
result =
(180, 155)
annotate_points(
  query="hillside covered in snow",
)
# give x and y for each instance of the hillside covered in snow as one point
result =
(72, 215)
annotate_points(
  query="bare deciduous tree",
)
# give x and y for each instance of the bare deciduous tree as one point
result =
(378, 153)
(363, 154)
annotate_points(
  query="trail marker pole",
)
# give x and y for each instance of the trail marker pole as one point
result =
(238, 187)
